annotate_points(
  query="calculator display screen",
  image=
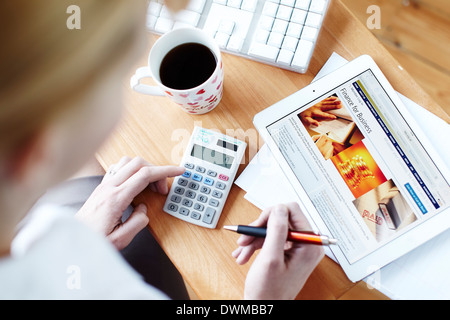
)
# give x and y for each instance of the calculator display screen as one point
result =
(212, 156)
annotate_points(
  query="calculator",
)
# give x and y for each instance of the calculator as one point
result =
(211, 160)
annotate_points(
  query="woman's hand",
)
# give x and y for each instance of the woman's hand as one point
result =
(121, 184)
(281, 268)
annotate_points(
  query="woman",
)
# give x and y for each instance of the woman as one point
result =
(60, 98)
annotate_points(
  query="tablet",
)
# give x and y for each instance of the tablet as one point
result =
(363, 170)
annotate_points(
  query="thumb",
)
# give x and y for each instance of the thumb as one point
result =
(277, 230)
(125, 233)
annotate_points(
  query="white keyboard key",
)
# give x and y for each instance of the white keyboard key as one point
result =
(241, 18)
(313, 20)
(280, 26)
(151, 21)
(284, 12)
(294, 30)
(226, 26)
(164, 25)
(318, 6)
(154, 8)
(222, 2)
(274, 1)
(266, 23)
(310, 33)
(249, 5)
(289, 3)
(263, 51)
(235, 43)
(302, 4)
(270, 9)
(275, 39)
(222, 39)
(302, 55)
(290, 43)
(234, 3)
(196, 5)
(261, 36)
(298, 16)
(189, 17)
(285, 57)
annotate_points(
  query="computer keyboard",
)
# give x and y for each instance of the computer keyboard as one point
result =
(282, 33)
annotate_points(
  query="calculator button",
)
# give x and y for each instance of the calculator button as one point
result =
(172, 207)
(186, 174)
(178, 190)
(184, 211)
(214, 202)
(182, 182)
(190, 194)
(202, 198)
(205, 190)
(195, 215)
(223, 177)
(187, 203)
(217, 194)
(199, 207)
(220, 185)
(193, 185)
(209, 181)
(197, 177)
(189, 165)
(209, 215)
(211, 173)
(200, 169)
(175, 198)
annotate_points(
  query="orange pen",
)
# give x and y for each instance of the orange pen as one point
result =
(294, 236)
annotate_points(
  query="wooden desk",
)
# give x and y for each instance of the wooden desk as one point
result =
(157, 130)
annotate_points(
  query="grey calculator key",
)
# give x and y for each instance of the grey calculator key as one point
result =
(172, 207)
(190, 194)
(200, 169)
(184, 211)
(199, 207)
(220, 185)
(182, 182)
(205, 190)
(189, 165)
(214, 202)
(209, 215)
(175, 198)
(217, 194)
(178, 190)
(195, 215)
(202, 198)
(193, 185)
(211, 173)
(187, 203)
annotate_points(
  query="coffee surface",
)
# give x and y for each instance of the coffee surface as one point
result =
(187, 66)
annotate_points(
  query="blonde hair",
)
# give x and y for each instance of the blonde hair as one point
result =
(44, 64)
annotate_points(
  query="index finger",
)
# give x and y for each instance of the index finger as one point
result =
(146, 175)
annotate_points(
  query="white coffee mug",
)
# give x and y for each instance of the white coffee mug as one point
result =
(198, 100)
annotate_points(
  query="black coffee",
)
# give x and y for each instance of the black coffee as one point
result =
(187, 66)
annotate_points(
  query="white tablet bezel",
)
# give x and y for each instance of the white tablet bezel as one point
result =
(399, 245)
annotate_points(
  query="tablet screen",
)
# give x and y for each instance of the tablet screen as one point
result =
(365, 171)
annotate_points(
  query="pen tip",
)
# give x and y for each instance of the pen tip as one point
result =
(232, 228)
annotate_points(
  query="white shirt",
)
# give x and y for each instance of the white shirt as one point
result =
(54, 256)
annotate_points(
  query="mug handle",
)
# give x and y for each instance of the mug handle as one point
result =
(144, 72)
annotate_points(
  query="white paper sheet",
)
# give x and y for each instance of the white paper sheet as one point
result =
(420, 274)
